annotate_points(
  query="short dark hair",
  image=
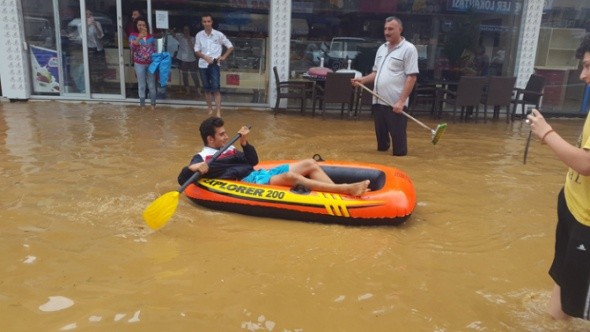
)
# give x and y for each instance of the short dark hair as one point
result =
(208, 127)
(207, 15)
(584, 47)
(141, 18)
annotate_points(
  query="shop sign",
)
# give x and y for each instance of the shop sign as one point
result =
(493, 28)
(232, 79)
(482, 6)
(252, 4)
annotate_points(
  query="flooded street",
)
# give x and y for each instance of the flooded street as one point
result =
(77, 255)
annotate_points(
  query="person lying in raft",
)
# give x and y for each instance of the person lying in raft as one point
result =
(238, 165)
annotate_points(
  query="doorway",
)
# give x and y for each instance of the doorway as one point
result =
(75, 48)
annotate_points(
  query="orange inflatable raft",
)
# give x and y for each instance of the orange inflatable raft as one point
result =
(390, 201)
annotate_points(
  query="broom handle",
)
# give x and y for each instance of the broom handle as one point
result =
(388, 103)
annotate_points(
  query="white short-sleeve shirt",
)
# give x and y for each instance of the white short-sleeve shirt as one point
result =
(392, 69)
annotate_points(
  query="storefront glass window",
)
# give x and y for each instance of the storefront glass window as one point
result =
(453, 38)
(41, 38)
(56, 46)
(563, 26)
(244, 22)
(74, 69)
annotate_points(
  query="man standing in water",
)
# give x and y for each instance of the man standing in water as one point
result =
(238, 165)
(571, 263)
(395, 72)
(208, 48)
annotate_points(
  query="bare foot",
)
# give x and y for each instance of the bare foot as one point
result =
(210, 112)
(218, 114)
(153, 107)
(358, 188)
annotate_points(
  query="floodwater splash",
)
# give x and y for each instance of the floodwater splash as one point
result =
(56, 303)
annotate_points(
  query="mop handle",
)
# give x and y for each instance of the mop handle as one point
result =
(388, 103)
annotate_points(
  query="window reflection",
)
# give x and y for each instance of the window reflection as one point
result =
(245, 23)
(448, 38)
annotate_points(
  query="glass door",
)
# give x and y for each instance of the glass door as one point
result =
(42, 46)
(103, 31)
(91, 56)
(72, 71)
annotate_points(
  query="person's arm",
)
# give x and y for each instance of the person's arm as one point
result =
(133, 42)
(229, 48)
(135, 39)
(197, 164)
(398, 107)
(99, 31)
(576, 158)
(370, 78)
(199, 51)
(250, 154)
(197, 48)
(200, 55)
(227, 53)
(249, 150)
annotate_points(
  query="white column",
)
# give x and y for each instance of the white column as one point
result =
(526, 53)
(280, 43)
(14, 67)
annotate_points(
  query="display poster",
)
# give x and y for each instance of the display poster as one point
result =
(45, 71)
(162, 19)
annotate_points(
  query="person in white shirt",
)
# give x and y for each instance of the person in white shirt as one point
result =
(187, 58)
(96, 53)
(394, 74)
(209, 45)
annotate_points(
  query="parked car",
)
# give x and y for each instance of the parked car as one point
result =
(343, 49)
(39, 32)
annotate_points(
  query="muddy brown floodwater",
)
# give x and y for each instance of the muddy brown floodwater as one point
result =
(76, 254)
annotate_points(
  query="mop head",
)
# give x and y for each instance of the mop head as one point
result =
(436, 134)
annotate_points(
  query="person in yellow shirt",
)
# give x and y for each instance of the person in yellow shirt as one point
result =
(571, 263)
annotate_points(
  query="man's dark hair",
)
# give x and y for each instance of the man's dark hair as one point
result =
(208, 127)
(584, 47)
(208, 15)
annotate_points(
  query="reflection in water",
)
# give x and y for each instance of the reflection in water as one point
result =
(20, 141)
(473, 256)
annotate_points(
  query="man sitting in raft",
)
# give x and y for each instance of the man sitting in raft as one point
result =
(238, 165)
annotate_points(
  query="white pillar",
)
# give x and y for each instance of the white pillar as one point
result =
(14, 68)
(280, 44)
(526, 52)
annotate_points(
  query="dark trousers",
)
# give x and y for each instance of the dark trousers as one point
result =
(390, 126)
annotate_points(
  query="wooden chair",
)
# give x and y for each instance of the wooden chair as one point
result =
(423, 94)
(468, 94)
(498, 93)
(530, 95)
(363, 98)
(337, 89)
(299, 90)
